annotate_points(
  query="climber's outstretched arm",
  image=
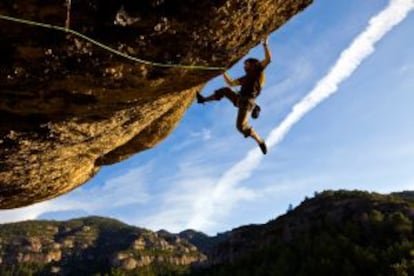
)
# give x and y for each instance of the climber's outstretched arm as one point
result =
(229, 80)
(268, 54)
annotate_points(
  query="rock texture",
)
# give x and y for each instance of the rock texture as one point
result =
(67, 107)
(353, 232)
(91, 245)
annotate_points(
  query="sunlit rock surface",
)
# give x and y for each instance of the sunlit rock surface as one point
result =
(68, 107)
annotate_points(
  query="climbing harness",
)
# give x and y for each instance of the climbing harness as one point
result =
(67, 29)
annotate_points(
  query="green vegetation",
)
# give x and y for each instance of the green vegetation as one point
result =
(153, 270)
(334, 233)
(95, 241)
(21, 269)
(354, 233)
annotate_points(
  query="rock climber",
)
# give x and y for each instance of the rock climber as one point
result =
(245, 99)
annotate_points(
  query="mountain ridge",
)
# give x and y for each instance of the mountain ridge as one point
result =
(349, 231)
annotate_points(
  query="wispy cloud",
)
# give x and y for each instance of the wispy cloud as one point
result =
(406, 68)
(204, 134)
(192, 193)
(187, 194)
(192, 137)
(116, 192)
(26, 213)
(349, 60)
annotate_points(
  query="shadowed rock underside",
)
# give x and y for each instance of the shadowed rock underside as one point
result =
(68, 107)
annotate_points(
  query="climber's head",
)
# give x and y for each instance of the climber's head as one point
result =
(252, 66)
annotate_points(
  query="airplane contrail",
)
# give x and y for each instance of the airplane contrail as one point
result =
(349, 60)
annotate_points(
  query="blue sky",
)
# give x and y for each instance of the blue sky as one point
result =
(361, 137)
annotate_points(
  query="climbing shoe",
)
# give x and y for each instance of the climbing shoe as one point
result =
(256, 112)
(263, 147)
(200, 98)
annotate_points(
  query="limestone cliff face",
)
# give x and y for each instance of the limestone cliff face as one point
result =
(68, 107)
(92, 245)
(368, 232)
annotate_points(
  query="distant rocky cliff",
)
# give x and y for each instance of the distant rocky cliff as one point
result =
(342, 232)
(92, 245)
(68, 107)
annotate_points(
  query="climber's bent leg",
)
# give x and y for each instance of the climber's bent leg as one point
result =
(218, 95)
(242, 124)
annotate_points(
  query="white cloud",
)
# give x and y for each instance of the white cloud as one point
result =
(406, 68)
(189, 193)
(191, 138)
(26, 213)
(348, 62)
(116, 192)
(197, 198)
(204, 134)
(129, 188)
